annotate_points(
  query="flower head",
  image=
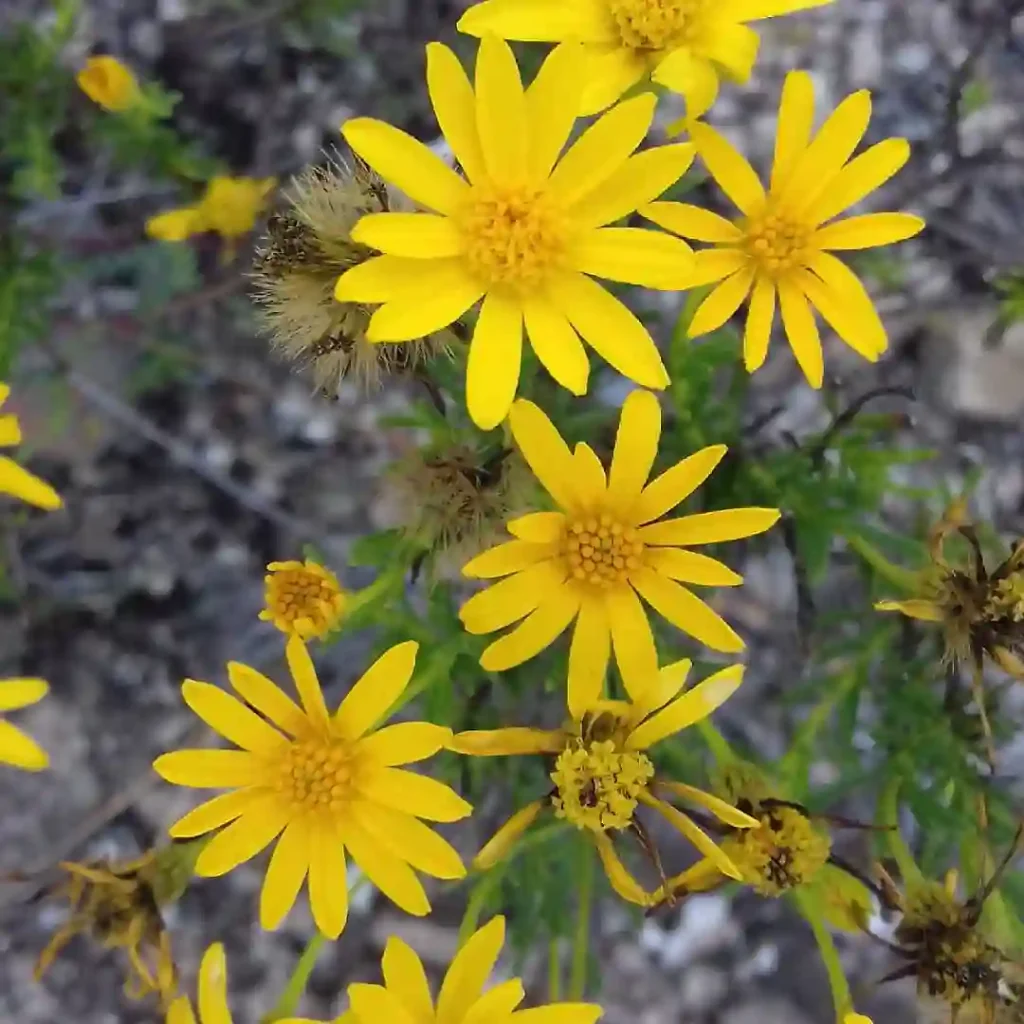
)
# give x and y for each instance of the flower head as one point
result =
(593, 559)
(602, 773)
(303, 599)
(305, 249)
(319, 784)
(523, 229)
(15, 480)
(778, 250)
(106, 81)
(15, 747)
(118, 904)
(405, 996)
(229, 207)
(684, 45)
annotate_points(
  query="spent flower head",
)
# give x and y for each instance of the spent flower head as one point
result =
(228, 207)
(303, 599)
(319, 784)
(778, 250)
(16, 748)
(524, 227)
(683, 45)
(108, 82)
(298, 262)
(15, 480)
(602, 773)
(605, 548)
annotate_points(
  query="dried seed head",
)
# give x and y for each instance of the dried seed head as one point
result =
(306, 247)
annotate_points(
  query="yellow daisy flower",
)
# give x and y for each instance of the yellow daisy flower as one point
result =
(320, 784)
(405, 996)
(14, 479)
(684, 45)
(303, 599)
(15, 747)
(229, 206)
(106, 81)
(602, 772)
(523, 230)
(593, 559)
(778, 249)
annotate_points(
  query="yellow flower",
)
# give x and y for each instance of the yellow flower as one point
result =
(15, 747)
(779, 246)
(14, 479)
(856, 1018)
(303, 599)
(320, 784)
(213, 992)
(593, 559)
(405, 996)
(602, 772)
(229, 207)
(683, 45)
(523, 229)
(106, 81)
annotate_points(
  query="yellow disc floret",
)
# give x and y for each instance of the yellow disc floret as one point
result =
(303, 599)
(317, 775)
(777, 243)
(601, 551)
(657, 24)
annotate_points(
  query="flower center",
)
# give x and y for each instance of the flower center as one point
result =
(598, 784)
(601, 551)
(513, 236)
(304, 602)
(316, 775)
(1006, 600)
(656, 24)
(786, 851)
(777, 243)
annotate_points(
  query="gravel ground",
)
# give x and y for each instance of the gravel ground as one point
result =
(154, 571)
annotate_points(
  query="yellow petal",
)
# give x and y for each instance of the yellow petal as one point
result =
(588, 656)
(636, 447)
(602, 149)
(547, 455)
(610, 329)
(556, 344)
(405, 743)
(388, 278)
(694, 705)
(243, 838)
(915, 608)
(692, 77)
(849, 313)
(21, 693)
(611, 70)
(632, 640)
(512, 556)
(410, 840)
(502, 742)
(208, 769)
(454, 105)
(469, 971)
(214, 813)
(300, 664)
(686, 611)
(537, 527)
(692, 222)
(20, 750)
(213, 987)
(501, 843)
(538, 631)
(18, 482)
(868, 231)
(732, 46)
(723, 301)
(412, 235)
(510, 599)
(378, 688)
(752, 10)
(669, 681)
(758, 330)
(691, 567)
(415, 315)
(328, 889)
(405, 977)
(495, 354)
(10, 431)
(285, 873)
(591, 482)
(796, 122)
(180, 1012)
(637, 183)
(693, 833)
(537, 21)
(552, 102)
(676, 484)
(729, 168)
(723, 811)
(231, 718)
(802, 332)
(638, 256)
(501, 111)
(109, 83)
(176, 225)
(414, 794)
(389, 873)
(373, 1003)
(861, 176)
(498, 1002)
(624, 884)
(405, 162)
(267, 698)
(711, 265)
(711, 527)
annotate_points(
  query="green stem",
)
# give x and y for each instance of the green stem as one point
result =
(581, 939)
(554, 973)
(889, 812)
(902, 579)
(717, 743)
(841, 998)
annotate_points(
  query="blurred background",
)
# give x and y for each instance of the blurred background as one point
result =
(189, 457)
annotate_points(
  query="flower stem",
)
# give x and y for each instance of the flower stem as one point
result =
(554, 972)
(581, 940)
(841, 998)
(717, 743)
